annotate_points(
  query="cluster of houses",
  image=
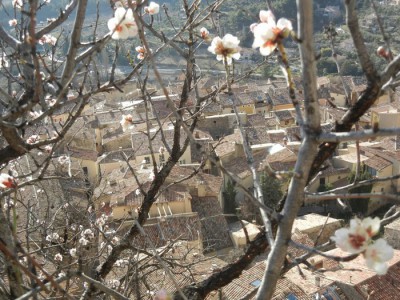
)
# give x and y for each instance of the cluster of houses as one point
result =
(116, 165)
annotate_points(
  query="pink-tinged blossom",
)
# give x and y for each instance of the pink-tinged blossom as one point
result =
(205, 34)
(13, 22)
(225, 48)
(126, 121)
(48, 148)
(123, 25)
(162, 295)
(47, 39)
(7, 181)
(268, 33)
(141, 52)
(152, 9)
(377, 254)
(58, 257)
(33, 139)
(357, 237)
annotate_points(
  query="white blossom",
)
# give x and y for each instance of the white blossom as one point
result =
(377, 254)
(152, 176)
(54, 237)
(123, 25)
(268, 33)
(8, 204)
(87, 233)
(17, 3)
(121, 263)
(114, 283)
(152, 9)
(3, 62)
(83, 241)
(72, 252)
(63, 160)
(225, 48)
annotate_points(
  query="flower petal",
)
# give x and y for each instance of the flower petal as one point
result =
(266, 16)
(267, 49)
(284, 24)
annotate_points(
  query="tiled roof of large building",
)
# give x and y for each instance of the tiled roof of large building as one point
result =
(284, 115)
(214, 226)
(351, 273)
(169, 228)
(211, 107)
(377, 163)
(246, 286)
(140, 141)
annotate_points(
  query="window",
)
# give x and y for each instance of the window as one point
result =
(182, 162)
(146, 159)
(162, 158)
(322, 181)
(291, 297)
(371, 171)
(256, 283)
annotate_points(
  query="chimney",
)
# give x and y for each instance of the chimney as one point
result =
(317, 281)
(397, 142)
(201, 189)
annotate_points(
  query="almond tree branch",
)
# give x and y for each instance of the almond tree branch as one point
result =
(69, 8)
(70, 62)
(308, 149)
